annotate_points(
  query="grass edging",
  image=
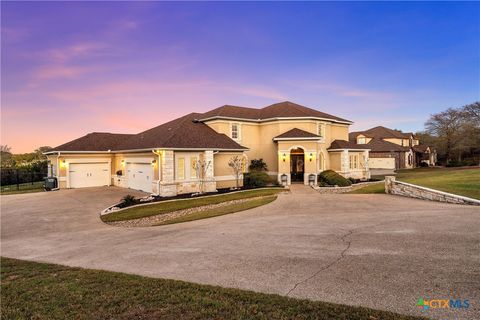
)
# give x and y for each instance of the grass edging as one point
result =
(32, 290)
(113, 216)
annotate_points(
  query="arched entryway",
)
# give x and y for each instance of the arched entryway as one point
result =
(297, 164)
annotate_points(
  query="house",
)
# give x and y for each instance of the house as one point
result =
(393, 149)
(296, 142)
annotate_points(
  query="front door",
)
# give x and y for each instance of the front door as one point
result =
(297, 165)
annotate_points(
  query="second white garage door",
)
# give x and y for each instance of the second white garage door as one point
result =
(140, 176)
(82, 175)
(381, 163)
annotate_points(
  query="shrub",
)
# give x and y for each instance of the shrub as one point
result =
(258, 165)
(128, 201)
(332, 178)
(255, 179)
(423, 164)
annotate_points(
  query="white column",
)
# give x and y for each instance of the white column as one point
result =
(168, 187)
(210, 183)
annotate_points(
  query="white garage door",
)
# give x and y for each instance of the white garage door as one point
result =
(381, 163)
(140, 176)
(82, 175)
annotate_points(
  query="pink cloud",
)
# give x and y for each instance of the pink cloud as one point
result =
(59, 71)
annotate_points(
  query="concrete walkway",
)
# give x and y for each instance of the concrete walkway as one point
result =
(379, 251)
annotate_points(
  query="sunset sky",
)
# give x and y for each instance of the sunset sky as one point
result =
(72, 68)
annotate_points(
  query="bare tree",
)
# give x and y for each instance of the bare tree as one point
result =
(5, 148)
(446, 126)
(236, 163)
(201, 168)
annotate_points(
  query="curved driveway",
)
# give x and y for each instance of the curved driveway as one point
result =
(378, 251)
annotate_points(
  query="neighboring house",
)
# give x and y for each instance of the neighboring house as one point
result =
(296, 142)
(393, 149)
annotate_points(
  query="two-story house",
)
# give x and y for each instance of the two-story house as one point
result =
(393, 149)
(296, 143)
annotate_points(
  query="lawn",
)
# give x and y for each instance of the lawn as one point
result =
(461, 181)
(33, 290)
(22, 188)
(251, 203)
(174, 205)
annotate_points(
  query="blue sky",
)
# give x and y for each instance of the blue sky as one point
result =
(125, 67)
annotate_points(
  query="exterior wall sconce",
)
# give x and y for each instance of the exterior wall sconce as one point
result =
(153, 162)
(311, 157)
(64, 164)
(123, 162)
(284, 157)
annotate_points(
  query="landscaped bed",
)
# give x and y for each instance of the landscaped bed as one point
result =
(461, 181)
(181, 210)
(33, 290)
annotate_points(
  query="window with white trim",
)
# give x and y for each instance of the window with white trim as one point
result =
(362, 140)
(235, 134)
(321, 130)
(353, 162)
(180, 174)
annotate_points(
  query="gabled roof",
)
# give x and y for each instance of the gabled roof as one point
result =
(420, 148)
(182, 133)
(343, 144)
(379, 145)
(284, 109)
(380, 132)
(296, 133)
(95, 141)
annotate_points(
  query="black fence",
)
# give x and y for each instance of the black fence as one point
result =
(21, 179)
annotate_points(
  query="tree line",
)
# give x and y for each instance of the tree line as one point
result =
(455, 134)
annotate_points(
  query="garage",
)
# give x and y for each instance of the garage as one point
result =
(381, 163)
(83, 175)
(140, 176)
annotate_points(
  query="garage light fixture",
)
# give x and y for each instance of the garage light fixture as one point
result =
(284, 157)
(153, 162)
(123, 162)
(311, 157)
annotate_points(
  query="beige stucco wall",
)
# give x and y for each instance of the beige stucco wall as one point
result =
(258, 137)
(335, 161)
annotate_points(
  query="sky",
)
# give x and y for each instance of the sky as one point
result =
(70, 68)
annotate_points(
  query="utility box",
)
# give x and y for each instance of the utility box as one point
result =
(311, 179)
(51, 183)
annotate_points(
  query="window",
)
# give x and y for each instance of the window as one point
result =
(181, 169)
(353, 162)
(235, 131)
(193, 167)
(321, 130)
(362, 140)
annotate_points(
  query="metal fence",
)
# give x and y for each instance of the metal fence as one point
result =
(21, 179)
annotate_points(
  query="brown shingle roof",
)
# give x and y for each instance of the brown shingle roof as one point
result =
(343, 144)
(297, 133)
(95, 141)
(183, 132)
(380, 133)
(379, 145)
(420, 148)
(277, 110)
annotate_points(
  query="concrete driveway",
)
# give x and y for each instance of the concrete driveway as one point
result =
(378, 251)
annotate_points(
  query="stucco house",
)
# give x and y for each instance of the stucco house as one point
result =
(295, 142)
(393, 149)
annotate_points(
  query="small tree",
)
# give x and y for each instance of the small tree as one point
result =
(236, 163)
(201, 168)
(258, 165)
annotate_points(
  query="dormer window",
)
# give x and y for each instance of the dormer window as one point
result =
(235, 132)
(321, 130)
(361, 140)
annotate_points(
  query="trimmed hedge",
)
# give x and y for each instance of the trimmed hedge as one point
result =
(255, 179)
(331, 178)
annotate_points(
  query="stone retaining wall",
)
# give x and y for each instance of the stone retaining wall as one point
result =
(334, 190)
(413, 191)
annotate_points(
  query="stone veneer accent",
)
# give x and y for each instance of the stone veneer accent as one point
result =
(168, 187)
(413, 191)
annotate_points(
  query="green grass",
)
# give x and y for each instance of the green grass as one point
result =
(231, 208)
(170, 206)
(373, 188)
(22, 188)
(460, 181)
(33, 290)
